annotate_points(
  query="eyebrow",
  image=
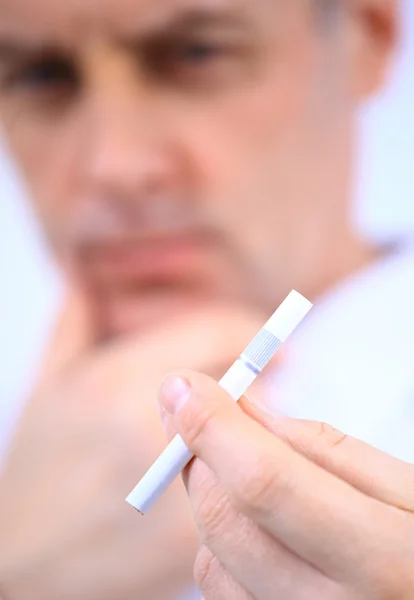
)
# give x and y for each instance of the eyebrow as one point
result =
(185, 20)
(197, 17)
(187, 23)
(19, 50)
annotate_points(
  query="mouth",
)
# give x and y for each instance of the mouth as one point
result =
(137, 283)
(142, 261)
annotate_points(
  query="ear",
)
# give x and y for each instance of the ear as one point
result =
(373, 27)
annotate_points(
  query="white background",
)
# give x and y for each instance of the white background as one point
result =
(386, 203)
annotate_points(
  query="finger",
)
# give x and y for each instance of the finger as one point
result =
(167, 422)
(208, 341)
(72, 336)
(214, 581)
(213, 337)
(205, 340)
(305, 508)
(371, 471)
(248, 555)
(238, 572)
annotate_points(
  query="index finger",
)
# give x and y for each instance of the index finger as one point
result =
(366, 468)
(319, 517)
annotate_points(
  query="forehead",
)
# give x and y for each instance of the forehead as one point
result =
(69, 21)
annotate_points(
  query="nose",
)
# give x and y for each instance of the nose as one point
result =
(127, 151)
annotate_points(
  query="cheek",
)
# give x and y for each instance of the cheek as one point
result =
(253, 146)
(45, 152)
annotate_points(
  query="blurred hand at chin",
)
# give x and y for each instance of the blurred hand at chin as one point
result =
(89, 432)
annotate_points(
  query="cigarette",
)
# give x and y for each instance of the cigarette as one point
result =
(236, 381)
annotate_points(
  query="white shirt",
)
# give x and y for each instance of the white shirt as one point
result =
(351, 363)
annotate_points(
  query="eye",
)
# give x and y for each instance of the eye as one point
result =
(195, 54)
(193, 63)
(44, 75)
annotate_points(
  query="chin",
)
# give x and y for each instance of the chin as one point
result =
(140, 316)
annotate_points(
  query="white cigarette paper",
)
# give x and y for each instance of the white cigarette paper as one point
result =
(236, 381)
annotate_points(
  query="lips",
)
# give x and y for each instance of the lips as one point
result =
(138, 283)
(142, 262)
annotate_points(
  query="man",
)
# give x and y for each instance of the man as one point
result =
(190, 162)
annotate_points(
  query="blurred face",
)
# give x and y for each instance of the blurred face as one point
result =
(182, 152)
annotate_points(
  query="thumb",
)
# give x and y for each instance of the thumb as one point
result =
(367, 469)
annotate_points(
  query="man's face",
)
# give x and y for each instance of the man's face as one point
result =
(185, 151)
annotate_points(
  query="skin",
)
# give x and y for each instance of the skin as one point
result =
(89, 432)
(296, 509)
(162, 147)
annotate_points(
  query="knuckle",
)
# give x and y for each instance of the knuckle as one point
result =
(331, 437)
(206, 569)
(260, 486)
(212, 515)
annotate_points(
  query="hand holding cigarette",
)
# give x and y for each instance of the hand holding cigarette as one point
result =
(289, 509)
(237, 379)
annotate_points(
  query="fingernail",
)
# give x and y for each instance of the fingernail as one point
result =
(174, 393)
